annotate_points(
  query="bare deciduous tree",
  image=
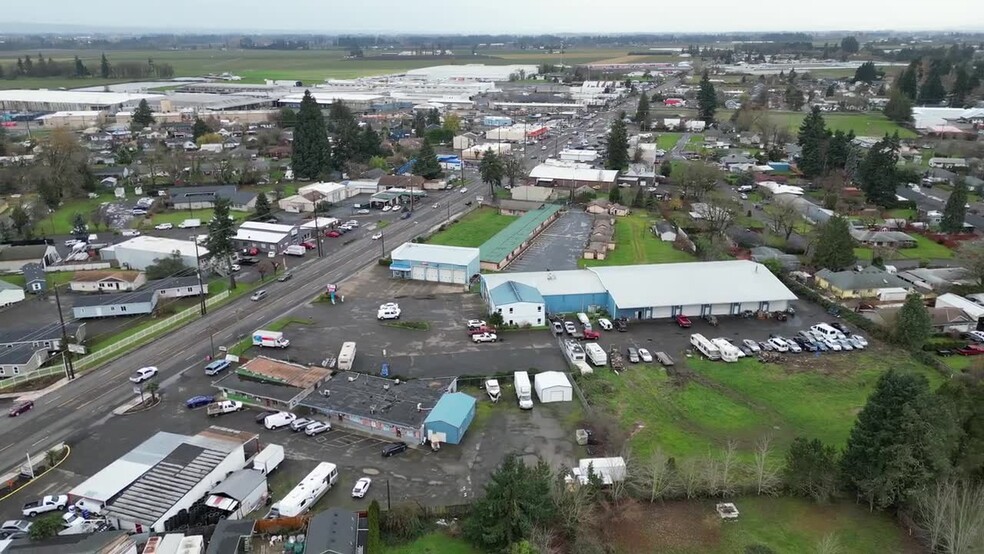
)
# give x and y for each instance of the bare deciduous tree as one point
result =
(783, 217)
(952, 514)
(728, 465)
(829, 544)
(655, 478)
(696, 180)
(766, 473)
(690, 477)
(720, 214)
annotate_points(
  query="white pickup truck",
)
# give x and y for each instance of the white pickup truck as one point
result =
(47, 504)
(223, 407)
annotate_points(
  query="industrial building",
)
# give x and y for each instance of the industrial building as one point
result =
(357, 102)
(436, 263)
(692, 289)
(267, 237)
(239, 494)
(72, 120)
(572, 175)
(497, 252)
(204, 197)
(269, 383)
(309, 196)
(448, 421)
(21, 100)
(141, 252)
(471, 72)
(164, 475)
(518, 304)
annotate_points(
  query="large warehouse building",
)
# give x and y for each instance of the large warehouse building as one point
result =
(639, 291)
(432, 262)
(140, 252)
(69, 100)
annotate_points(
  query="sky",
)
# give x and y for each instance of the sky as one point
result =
(500, 16)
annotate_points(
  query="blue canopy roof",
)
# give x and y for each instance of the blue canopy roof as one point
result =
(452, 408)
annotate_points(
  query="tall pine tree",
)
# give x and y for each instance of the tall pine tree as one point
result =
(311, 150)
(908, 81)
(706, 100)
(834, 245)
(642, 113)
(932, 90)
(426, 164)
(814, 140)
(142, 116)
(104, 67)
(879, 171)
(617, 155)
(899, 107)
(913, 324)
(955, 210)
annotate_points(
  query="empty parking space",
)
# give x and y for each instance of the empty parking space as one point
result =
(559, 247)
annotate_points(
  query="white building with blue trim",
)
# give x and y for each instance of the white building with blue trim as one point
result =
(436, 263)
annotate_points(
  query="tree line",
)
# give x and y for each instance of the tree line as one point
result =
(39, 67)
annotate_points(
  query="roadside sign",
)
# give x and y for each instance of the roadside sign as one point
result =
(76, 348)
(332, 288)
(137, 389)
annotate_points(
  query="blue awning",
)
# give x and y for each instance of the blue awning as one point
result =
(400, 265)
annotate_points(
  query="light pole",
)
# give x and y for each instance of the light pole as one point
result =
(198, 267)
(382, 244)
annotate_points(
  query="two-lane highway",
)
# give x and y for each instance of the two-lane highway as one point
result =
(71, 412)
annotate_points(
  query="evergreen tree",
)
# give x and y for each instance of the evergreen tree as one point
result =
(706, 100)
(311, 150)
(287, 118)
(665, 168)
(142, 116)
(899, 107)
(901, 440)
(492, 169)
(426, 164)
(517, 499)
(617, 155)
(369, 144)
(104, 67)
(419, 124)
(913, 325)
(79, 229)
(837, 149)
(932, 90)
(794, 98)
(879, 171)
(433, 117)
(200, 128)
(262, 208)
(955, 209)
(811, 469)
(221, 229)
(21, 221)
(642, 113)
(961, 86)
(615, 195)
(866, 73)
(834, 247)
(908, 81)
(80, 69)
(374, 541)
(850, 45)
(813, 138)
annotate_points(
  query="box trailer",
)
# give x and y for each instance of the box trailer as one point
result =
(190, 224)
(296, 250)
(268, 459)
(524, 392)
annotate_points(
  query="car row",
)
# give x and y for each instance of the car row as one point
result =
(815, 339)
(274, 420)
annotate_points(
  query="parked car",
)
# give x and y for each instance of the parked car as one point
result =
(605, 324)
(261, 417)
(300, 423)
(633, 355)
(164, 226)
(143, 374)
(361, 487)
(278, 420)
(570, 328)
(645, 355)
(846, 345)
(309, 244)
(316, 428)
(840, 327)
(217, 366)
(752, 345)
(485, 337)
(333, 234)
(285, 277)
(557, 327)
(621, 324)
(971, 350)
(590, 334)
(394, 448)
(792, 345)
(198, 401)
(683, 321)
(387, 208)
(20, 408)
(778, 344)
(861, 340)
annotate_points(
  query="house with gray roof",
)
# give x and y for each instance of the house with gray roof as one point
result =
(883, 239)
(13, 257)
(21, 359)
(334, 531)
(35, 278)
(870, 282)
(140, 302)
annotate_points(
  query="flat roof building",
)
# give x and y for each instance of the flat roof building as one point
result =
(572, 176)
(141, 252)
(497, 252)
(20, 100)
(436, 263)
(271, 383)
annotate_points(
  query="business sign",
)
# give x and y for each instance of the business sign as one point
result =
(76, 348)
(331, 288)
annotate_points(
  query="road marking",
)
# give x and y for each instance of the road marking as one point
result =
(98, 397)
(41, 440)
(5, 447)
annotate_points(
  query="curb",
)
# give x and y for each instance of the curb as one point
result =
(36, 477)
(124, 409)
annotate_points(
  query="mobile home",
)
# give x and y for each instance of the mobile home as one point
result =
(307, 492)
(346, 357)
(705, 347)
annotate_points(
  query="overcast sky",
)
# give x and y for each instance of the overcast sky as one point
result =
(502, 16)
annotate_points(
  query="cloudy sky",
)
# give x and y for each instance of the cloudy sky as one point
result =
(501, 16)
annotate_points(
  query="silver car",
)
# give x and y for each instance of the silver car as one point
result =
(316, 428)
(633, 355)
(752, 345)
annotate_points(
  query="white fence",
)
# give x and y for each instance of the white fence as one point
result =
(77, 267)
(105, 354)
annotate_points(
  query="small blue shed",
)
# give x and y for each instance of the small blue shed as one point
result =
(780, 167)
(450, 418)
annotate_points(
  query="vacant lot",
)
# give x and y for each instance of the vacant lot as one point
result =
(636, 244)
(867, 124)
(60, 221)
(473, 229)
(701, 406)
(667, 141)
(925, 249)
(433, 543)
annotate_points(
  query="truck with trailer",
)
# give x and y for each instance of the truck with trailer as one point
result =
(307, 493)
(524, 392)
(295, 250)
(346, 356)
(270, 339)
(596, 354)
(268, 459)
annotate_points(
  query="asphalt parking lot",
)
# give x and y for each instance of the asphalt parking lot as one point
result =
(444, 349)
(559, 247)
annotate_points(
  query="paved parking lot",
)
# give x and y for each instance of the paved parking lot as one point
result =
(558, 247)
(444, 349)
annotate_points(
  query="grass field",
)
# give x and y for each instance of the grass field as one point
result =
(176, 217)
(433, 543)
(636, 244)
(473, 229)
(60, 221)
(667, 141)
(926, 249)
(865, 124)
(713, 402)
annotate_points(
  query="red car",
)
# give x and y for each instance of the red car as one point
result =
(591, 335)
(309, 244)
(333, 234)
(971, 350)
(481, 330)
(20, 407)
(683, 321)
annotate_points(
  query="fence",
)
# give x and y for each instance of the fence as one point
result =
(116, 349)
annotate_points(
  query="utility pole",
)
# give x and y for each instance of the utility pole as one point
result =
(382, 243)
(198, 266)
(317, 231)
(65, 352)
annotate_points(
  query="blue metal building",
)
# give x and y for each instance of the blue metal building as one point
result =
(450, 418)
(432, 262)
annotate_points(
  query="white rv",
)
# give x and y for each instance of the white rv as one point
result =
(346, 356)
(729, 352)
(524, 392)
(705, 346)
(307, 492)
(596, 354)
(608, 470)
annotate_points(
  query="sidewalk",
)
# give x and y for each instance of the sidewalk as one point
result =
(35, 394)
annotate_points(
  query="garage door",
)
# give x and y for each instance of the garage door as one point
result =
(555, 395)
(432, 274)
(447, 275)
(418, 273)
(459, 277)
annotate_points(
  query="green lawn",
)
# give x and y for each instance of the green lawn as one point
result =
(667, 141)
(54, 278)
(473, 229)
(14, 280)
(863, 124)
(176, 217)
(433, 543)
(744, 401)
(636, 244)
(926, 249)
(60, 222)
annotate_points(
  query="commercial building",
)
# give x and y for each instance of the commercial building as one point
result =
(141, 252)
(518, 304)
(517, 133)
(72, 120)
(572, 176)
(552, 386)
(269, 383)
(357, 102)
(496, 121)
(267, 237)
(497, 252)
(239, 494)
(691, 289)
(477, 151)
(471, 72)
(163, 476)
(21, 100)
(10, 294)
(336, 531)
(309, 196)
(436, 263)
(107, 542)
(380, 406)
(449, 419)
(13, 257)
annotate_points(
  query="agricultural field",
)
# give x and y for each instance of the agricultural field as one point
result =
(702, 406)
(636, 244)
(473, 229)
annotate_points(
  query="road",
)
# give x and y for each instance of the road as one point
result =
(70, 413)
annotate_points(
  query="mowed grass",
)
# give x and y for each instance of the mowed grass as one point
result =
(636, 244)
(666, 141)
(176, 217)
(433, 543)
(925, 249)
(742, 402)
(473, 229)
(863, 124)
(61, 221)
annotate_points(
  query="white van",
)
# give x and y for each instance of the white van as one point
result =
(278, 420)
(827, 331)
(583, 318)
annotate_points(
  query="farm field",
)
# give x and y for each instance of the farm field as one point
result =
(473, 229)
(704, 405)
(636, 244)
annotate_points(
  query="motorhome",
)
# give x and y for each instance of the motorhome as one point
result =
(705, 346)
(524, 392)
(729, 352)
(608, 470)
(583, 318)
(346, 356)
(574, 350)
(596, 354)
(307, 492)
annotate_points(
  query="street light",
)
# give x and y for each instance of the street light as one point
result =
(198, 267)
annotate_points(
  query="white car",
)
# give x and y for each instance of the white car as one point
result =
(73, 242)
(387, 208)
(235, 268)
(389, 313)
(389, 306)
(793, 346)
(485, 337)
(316, 428)
(570, 328)
(605, 324)
(377, 236)
(164, 226)
(143, 374)
(476, 323)
(463, 190)
(779, 345)
(435, 206)
(363, 211)
(361, 487)
(752, 345)
(352, 223)
(860, 340)
(832, 344)
(645, 355)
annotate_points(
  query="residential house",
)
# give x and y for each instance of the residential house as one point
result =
(925, 279)
(870, 282)
(35, 278)
(763, 254)
(749, 139)
(464, 141)
(21, 359)
(517, 207)
(942, 320)
(46, 336)
(14, 256)
(107, 281)
(665, 230)
(883, 239)
(603, 206)
(949, 300)
(10, 294)
(178, 287)
(737, 162)
(947, 163)
(938, 175)
(112, 305)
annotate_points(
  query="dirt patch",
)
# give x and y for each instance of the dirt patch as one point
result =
(35, 384)
(670, 526)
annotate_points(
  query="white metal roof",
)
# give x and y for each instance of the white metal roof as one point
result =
(551, 283)
(951, 300)
(270, 227)
(71, 96)
(549, 379)
(325, 188)
(694, 283)
(322, 222)
(329, 97)
(78, 113)
(472, 71)
(550, 171)
(120, 474)
(160, 245)
(435, 253)
(253, 235)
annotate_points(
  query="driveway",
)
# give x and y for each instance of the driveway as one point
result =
(559, 247)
